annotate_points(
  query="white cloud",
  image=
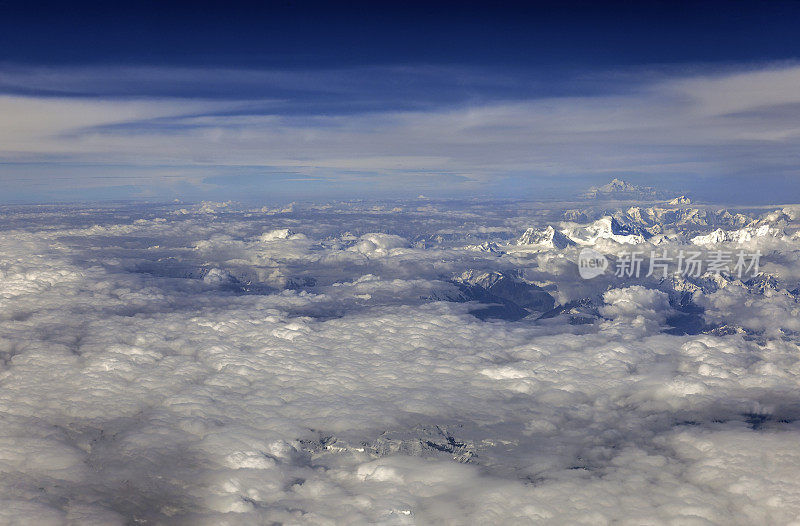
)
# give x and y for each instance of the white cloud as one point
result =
(133, 389)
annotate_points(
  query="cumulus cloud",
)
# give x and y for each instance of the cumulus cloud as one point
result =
(379, 244)
(636, 306)
(222, 365)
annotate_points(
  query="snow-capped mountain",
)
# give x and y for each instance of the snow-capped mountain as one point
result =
(609, 228)
(682, 284)
(667, 218)
(489, 246)
(548, 237)
(502, 295)
(619, 189)
(680, 200)
(579, 312)
(761, 283)
(776, 219)
(738, 236)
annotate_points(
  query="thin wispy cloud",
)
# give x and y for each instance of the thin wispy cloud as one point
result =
(707, 125)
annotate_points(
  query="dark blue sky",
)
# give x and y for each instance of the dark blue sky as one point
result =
(335, 34)
(310, 99)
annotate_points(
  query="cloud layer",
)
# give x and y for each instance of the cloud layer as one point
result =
(219, 364)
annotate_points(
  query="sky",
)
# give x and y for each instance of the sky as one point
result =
(277, 101)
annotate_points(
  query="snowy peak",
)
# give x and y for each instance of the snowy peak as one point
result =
(620, 229)
(680, 200)
(617, 185)
(619, 189)
(761, 283)
(548, 238)
(777, 219)
(717, 236)
(742, 235)
(503, 295)
(488, 246)
(610, 228)
(480, 278)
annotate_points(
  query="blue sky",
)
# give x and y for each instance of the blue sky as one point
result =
(294, 100)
